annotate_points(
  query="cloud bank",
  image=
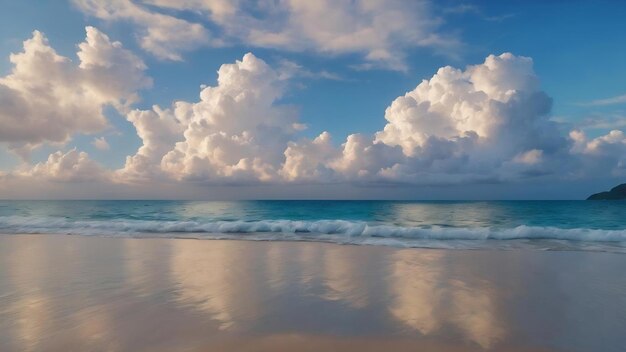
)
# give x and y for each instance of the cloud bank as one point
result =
(486, 123)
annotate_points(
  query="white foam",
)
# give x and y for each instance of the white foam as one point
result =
(340, 231)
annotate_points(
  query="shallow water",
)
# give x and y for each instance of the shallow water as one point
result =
(553, 225)
(60, 293)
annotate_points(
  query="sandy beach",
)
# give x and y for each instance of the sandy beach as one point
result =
(60, 293)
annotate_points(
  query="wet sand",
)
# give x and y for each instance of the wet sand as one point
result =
(60, 293)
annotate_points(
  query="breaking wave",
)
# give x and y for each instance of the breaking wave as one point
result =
(341, 231)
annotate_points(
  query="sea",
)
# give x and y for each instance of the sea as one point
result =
(498, 225)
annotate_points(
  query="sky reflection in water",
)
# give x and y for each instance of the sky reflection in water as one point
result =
(144, 294)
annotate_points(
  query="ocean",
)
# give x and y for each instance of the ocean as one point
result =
(502, 225)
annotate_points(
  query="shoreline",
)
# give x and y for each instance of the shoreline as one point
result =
(522, 244)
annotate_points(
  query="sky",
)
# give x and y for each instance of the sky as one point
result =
(359, 99)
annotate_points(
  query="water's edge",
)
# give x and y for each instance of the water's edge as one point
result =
(559, 225)
(461, 245)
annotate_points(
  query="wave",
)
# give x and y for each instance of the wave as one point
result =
(327, 230)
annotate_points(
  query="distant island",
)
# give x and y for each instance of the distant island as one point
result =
(616, 193)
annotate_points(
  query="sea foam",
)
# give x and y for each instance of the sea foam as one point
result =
(327, 230)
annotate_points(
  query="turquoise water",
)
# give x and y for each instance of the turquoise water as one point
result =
(553, 225)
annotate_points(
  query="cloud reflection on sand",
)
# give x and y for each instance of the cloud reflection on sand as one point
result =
(275, 267)
(416, 295)
(145, 262)
(217, 279)
(231, 284)
(341, 276)
(474, 313)
(307, 273)
(32, 320)
(31, 310)
(40, 270)
(427, 298)
(94, 327)
(61, 293)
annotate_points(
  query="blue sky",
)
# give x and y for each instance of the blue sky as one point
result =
(578, 50)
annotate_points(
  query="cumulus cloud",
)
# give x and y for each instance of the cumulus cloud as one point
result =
(358, 159)
(159, 130)
(307, 160)
(73, 166)
(240, 132)
(364, 159)
(489, 122)
(381, 31)
(236, 131)
(473, 121)
(486, 123)
(481, 100)
(47, 98)
(604, 155)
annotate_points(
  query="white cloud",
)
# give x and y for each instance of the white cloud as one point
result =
(489, 122)
(308, 160)
(599, 144)
(46, 98)
(483, 100)
(159, 131)
(73, 166)
(101, 143)
(364, 159)
(357, 159)
(603, 155)
(486, 123)
(159, 34)
(381, 31)
(237, 131)
(473, 121)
